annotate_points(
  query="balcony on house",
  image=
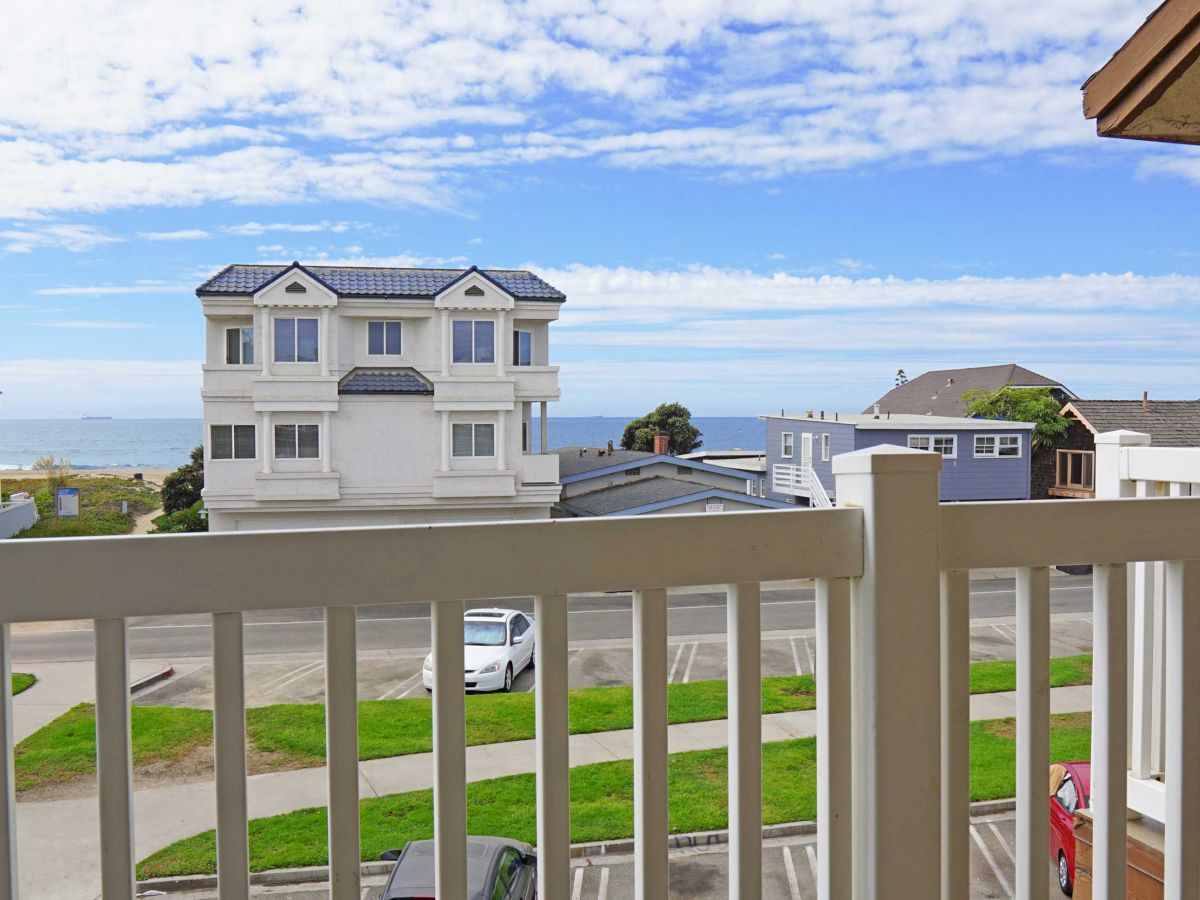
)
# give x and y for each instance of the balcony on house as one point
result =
(892, 679)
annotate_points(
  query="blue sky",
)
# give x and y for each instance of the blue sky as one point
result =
(750, 205)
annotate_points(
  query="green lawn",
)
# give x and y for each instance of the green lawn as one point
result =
(601, 801)
(288, 736)
(22, 681)
(99, 505)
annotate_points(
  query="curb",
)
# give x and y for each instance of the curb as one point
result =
(162, 674)
(622, 847)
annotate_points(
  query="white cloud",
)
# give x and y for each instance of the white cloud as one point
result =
(256, 229)
(183, 234)
(94, 325)
(75, 238)
(393, 100)
(103, 290)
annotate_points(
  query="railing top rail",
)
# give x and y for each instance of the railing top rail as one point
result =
(72, 578)
(1053, 532)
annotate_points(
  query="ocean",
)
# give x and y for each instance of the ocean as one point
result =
(166, 443)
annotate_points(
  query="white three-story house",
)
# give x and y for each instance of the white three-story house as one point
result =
(337, 396)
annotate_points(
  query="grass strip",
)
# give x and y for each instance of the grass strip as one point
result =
(292, 735)
(22, 681)
(601, 801)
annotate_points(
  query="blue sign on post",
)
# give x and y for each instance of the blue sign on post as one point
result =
(66, 502)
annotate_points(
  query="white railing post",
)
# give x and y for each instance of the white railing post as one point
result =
(956, 732)
(834, 792)
(745, 741)
(1033, 730)
(449, 751)
(1109, 752)
(1182, 775)
(896, 681)
(650, 825)
(114, 760)
(553, 746)
(1147, 635)
(8, 784)
(341, 752)
(229, 756)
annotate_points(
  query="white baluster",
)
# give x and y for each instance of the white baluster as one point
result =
(834, 814)
(956, 732)
(650, 744)
(449, 751)
(553, 746)
(341, 752)
(1109, 761)
(229, 743)
(745, 740)
(1182, 863)
(1033, 730)
(114, 760)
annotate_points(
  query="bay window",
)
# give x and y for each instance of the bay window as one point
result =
(297, 441)
(474, 439)
(474, 342)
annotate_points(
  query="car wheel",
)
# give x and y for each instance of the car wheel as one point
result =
(508, 676)
(1064, 874)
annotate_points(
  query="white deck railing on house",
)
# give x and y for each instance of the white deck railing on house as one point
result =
(16, 516)
(892, 647)
(800, 481)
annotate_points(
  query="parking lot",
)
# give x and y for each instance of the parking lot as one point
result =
(386, 675)
(789, 871)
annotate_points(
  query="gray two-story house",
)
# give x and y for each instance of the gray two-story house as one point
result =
(982, 459)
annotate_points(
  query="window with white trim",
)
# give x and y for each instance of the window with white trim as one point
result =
(296, 340)
(787, 445)
(945, 444)
(297, 441)
(750, 486)
(474, 341)
(824, 448)
(474, 439)
(231, 442)
(997, 445)
(383, 339)
(239, 346)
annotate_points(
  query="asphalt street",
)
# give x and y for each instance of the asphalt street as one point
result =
(406, 626)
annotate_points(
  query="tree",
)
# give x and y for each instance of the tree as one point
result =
(181, 489)
(673, 418)
(1036, 405)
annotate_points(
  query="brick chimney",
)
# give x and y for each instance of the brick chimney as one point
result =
(661, 443)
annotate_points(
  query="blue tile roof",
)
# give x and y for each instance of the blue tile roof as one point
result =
(358, 281)
(384, 381)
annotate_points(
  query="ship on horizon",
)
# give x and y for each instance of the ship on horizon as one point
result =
(100, 418)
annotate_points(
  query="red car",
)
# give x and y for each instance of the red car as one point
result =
(1070, 789)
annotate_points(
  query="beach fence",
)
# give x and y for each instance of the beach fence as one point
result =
(16, 514)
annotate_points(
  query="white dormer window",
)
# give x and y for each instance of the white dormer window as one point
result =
(296, 340)
(383, 338)
(475, 342)
(239, 346)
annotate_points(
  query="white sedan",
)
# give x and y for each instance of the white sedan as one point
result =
(498, 645)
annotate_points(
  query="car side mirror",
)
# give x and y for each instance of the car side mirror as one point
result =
(530, 859)
(518, 639)
(390, 855)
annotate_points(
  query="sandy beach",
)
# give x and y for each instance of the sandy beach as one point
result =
(150, 476)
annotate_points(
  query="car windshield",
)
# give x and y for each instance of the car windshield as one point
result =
(484, 634)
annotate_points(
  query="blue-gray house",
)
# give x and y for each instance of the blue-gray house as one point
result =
(982, 459)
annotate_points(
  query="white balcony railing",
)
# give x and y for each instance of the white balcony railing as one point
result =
(892, 743)
(800, 481)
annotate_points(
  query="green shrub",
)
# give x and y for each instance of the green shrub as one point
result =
(182, 520)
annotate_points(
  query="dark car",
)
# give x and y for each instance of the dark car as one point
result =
(497, 869)
(1070, 789)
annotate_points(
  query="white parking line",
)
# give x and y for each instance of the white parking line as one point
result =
(675, 665)
(687, 673)
(991, 861)
(577, 888)
(310, 671)
(270, 685)
(1003, 844)
(811, 849)
(793, 884)
(810, 653)
(602, 894)
(795, 657)
(401, 688)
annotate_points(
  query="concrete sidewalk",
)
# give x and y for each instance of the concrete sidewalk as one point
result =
(165, 815)
(61, 685)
